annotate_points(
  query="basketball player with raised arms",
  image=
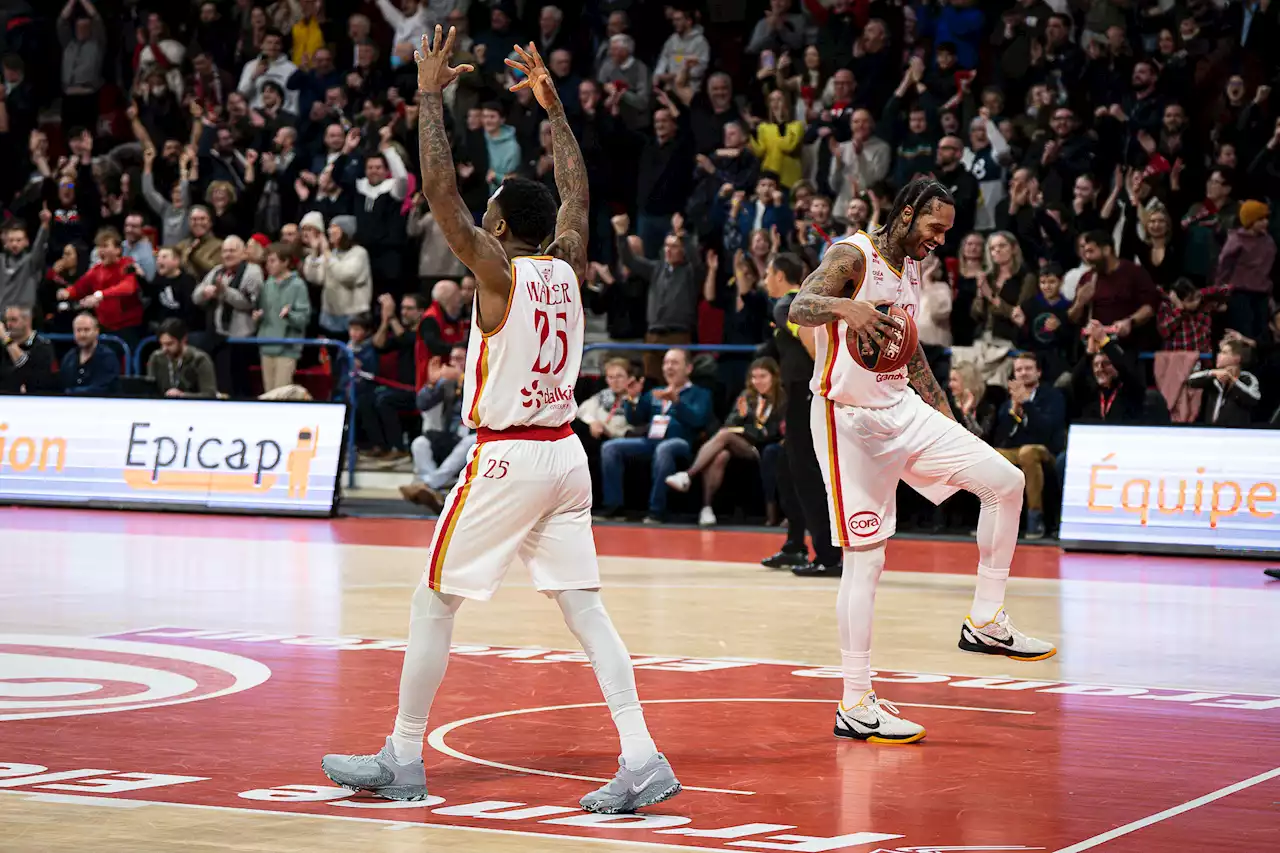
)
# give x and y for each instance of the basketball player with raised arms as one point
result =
(526, 490)
(870, 431)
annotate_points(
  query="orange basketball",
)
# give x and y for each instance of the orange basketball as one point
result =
(896, 349)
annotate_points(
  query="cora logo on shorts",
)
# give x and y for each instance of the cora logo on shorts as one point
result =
(52, 676)
(864, 524)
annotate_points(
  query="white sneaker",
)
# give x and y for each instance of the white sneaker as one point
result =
(875, 721)
(707, 517)
(680, 481)
(999, 637)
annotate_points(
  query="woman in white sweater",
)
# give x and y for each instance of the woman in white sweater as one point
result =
(342, 271)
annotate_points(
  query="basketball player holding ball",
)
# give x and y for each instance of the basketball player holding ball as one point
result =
(870, 432)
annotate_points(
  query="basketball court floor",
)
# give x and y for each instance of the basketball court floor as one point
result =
(170, 682)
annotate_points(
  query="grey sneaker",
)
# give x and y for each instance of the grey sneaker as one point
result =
(378, 774)
(634, 789)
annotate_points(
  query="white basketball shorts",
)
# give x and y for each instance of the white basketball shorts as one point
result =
(516, 498)
(864, 453)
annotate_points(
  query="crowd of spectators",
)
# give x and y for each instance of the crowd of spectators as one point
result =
(206, 171)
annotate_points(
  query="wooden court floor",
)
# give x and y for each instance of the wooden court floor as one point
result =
(169, 682)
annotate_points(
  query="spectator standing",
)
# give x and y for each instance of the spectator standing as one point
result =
(626, 82)
(754, 423)
(410, 22)
(780, 29)
(84, 49)
(862, 161)
(172, 292)
(1245, 266)
(284, 311)
(1045, 325)
(378, 218)
(26, 359)
(179, 369)
(673, 417)
(201, 251)
(173, 210)
(110, 289)
(135, 247)
(620, 294)
(672, 312)
(271, 65)
(1107, 385)
(501, 147)
(664, 174)
(1005, 284)
(1206, 224)
(230, 292)
(1030, 431)
(777, 140)
(22, 265)
(685, 50)
(1120, 295)
(342, 271)
(435, 260)
(89, 370)
(1231, 392)
(962, 185)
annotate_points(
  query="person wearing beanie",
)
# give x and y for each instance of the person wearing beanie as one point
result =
(1245, 267)
(342, 271)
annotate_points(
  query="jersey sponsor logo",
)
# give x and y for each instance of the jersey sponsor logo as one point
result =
(536, 398)
(890, 377)
(863, 524)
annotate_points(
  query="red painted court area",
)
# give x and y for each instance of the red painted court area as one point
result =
(518, 735)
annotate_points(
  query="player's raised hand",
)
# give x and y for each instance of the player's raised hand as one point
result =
(536, 76)
(434, 71)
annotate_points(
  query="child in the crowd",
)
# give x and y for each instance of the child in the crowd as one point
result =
(1044, 326)
(1185, 318)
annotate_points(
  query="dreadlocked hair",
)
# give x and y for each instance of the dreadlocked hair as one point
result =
(919, 194)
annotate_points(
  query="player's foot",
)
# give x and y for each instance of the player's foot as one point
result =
(1272, 573)
(634, 789)
(817, 570)
(999, 637)
(1035, 524)
(422, 495)
(785, 559)
(378, 774)
(707, 517)
(680, 481)
(875, 721)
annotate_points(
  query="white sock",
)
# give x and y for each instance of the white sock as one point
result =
(425, 660)
(998, 484)
(586, 617)
(855, 607)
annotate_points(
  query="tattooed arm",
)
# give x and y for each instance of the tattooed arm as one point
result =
(478, 250)
(570, 169)
(821, 300)
(921, 377)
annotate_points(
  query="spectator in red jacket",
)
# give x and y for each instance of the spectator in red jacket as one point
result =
(110, 289)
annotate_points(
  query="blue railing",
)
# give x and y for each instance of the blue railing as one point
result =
(119, 343)
(343, 350)
(642, 347)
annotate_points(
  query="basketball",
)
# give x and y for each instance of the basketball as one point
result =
(894, 352)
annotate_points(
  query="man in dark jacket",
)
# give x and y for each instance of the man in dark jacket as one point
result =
(1030, 430)
(674, 288)
(89, 370)
(26, 359)
(665, 174)
(1231, 392)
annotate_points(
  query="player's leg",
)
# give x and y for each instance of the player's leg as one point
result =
(560, 553)
(484, 521)
(952, 457)
(860, 460)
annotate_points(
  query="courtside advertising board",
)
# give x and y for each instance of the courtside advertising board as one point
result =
(219, 456)
(1172, 489)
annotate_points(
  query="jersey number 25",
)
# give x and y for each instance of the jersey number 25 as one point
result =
(542, 326)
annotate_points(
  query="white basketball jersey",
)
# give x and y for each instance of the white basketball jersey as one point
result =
(836, 375)
(523, 372)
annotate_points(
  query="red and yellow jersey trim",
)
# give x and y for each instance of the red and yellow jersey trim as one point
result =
(896, 271)
(511, 293)
(449, 522)
(482, 376)
(838, 522)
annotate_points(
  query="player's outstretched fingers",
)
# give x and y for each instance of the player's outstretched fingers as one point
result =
(448, 41)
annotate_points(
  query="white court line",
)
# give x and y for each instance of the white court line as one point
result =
(1111, 835)
(104, 801)
(437, 742)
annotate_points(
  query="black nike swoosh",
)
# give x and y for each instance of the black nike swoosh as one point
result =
(864, 725)
(1008, 642)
